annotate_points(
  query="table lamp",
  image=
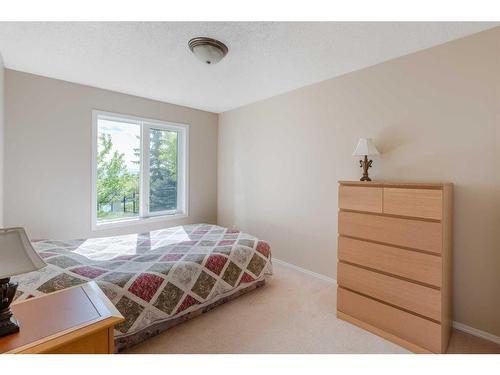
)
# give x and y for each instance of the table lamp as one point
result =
(365, 148)
(17, 256)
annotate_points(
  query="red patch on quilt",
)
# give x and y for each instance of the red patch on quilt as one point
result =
(263, 248)
(188, 301)
(145, 286)
(246, 278)
(215, 263)
(87, 271)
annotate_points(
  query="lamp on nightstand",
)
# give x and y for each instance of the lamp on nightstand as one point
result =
(17, 256)
(365, 148)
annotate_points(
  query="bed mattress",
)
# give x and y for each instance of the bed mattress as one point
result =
(155, 279)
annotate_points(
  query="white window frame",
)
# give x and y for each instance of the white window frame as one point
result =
(182, 170)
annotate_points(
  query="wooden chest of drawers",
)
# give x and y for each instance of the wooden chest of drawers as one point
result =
(394, 261)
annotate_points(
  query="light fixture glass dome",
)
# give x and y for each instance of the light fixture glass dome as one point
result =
(207, 50)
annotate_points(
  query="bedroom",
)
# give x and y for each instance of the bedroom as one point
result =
(177, 182)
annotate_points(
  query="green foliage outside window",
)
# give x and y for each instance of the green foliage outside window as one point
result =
(118, 188)
(163, 170)
(114, 181)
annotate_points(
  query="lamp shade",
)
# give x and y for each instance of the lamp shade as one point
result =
(17, 255)
(365, 147)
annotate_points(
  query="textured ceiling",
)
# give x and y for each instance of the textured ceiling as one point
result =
(152, 60)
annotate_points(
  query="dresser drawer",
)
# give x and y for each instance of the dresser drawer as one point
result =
(424, 203)
(360, 198)
(415, 234)
(414, 329)
(407, 295)
(405, 263)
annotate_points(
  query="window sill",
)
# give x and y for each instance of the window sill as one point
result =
(136, 221)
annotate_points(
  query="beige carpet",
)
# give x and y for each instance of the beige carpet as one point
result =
(293, 313)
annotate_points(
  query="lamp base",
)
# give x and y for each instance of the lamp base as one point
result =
(365, 164)
(8, 324)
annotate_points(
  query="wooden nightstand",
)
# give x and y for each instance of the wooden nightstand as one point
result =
(78, 320)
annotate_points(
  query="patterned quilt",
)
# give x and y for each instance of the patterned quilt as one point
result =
(154, 276)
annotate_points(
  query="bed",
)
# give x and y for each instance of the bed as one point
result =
(155, 279)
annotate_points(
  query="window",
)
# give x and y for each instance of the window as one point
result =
(139, 169)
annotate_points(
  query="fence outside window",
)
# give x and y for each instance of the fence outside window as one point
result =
(162, 200)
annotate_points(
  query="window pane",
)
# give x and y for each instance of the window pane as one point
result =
(162, 170)
(118, 166)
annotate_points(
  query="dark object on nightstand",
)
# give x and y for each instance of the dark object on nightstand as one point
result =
(17, 256)
(8, 324)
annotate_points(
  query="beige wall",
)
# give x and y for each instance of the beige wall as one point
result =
(48, 155)
(2, 101)
(434, 115)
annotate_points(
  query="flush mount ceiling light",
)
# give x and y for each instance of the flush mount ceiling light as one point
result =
(208, 50)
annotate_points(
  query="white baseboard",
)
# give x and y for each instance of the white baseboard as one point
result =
(303, 270)
(476, 332)
(456, 325)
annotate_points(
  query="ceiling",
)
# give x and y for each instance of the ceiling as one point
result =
(152, 60)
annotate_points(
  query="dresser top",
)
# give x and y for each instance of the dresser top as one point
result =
(398, 184)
